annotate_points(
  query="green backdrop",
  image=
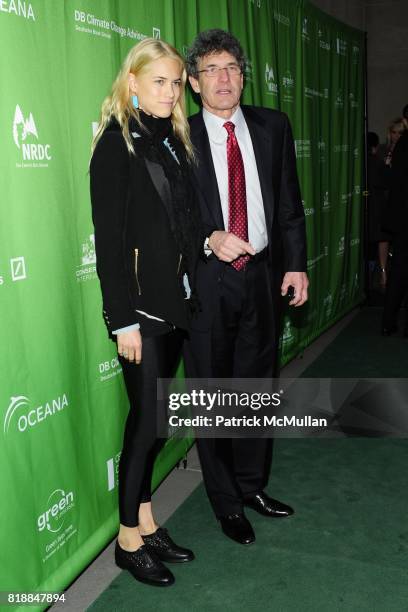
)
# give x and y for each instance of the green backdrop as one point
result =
(61, 393)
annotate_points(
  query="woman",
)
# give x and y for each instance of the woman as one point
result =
(394, 131)
(147, 240)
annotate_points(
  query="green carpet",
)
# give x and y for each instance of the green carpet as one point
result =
(346, 547)
(360, 351)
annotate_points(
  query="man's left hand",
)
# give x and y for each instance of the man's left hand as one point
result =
(300, 283)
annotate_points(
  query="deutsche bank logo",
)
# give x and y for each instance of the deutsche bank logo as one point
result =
(156, 32)
(18, 268)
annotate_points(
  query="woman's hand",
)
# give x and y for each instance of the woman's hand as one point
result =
(130, 345)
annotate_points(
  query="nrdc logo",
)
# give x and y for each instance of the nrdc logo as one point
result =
(270, 80)
(58, 504)
(24, 132)
(305, 32)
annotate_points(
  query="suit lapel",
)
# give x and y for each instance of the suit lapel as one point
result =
(262, 144)
(205, 172)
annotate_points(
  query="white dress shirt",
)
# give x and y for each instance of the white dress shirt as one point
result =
(217, 135)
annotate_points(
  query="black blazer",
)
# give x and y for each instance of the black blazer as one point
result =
(274, 150)
(138, 262)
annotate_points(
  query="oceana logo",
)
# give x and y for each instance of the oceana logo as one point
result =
(20, 8)
(58, 504)
(20, 415)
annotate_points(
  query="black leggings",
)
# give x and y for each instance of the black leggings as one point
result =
(160, 356)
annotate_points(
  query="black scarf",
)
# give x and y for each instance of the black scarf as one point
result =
(185, 220)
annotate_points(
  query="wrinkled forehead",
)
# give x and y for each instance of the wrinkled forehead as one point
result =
(217, 58)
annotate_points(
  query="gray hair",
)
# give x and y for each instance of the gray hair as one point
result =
(213, 41)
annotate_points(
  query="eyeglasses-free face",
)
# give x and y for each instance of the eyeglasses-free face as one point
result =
(219, 83)
(158, 87)
(395, 135)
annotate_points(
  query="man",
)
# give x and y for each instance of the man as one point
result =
(397, 223)
(253, 216)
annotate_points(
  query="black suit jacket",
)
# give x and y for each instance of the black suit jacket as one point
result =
(274, 150)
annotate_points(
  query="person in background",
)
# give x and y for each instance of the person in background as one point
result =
(378, 179)
(394, 131)
(147, 240)
(397, 224)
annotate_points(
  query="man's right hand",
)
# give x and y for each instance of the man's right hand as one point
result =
(130, 345)
(227, 246)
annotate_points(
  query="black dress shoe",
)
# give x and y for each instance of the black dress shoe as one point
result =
(163, 546)
(238, 528)
(389, 331)
(144, 565)
(267, 506)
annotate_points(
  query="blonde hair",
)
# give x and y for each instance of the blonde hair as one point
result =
(397, 124)
(119, 104)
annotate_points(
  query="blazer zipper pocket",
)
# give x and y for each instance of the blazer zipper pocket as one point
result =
(179, 263)
(136, 271)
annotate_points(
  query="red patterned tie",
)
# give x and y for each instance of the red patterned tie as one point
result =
(237, 204)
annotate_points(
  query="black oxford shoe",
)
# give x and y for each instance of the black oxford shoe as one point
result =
(267, 506)
(144, 565)
(238, 528)
(161, 544)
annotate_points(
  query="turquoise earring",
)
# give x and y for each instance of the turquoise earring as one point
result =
(135, 101)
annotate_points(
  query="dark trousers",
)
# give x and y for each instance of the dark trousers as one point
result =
(397, 283)
(240, 344)
(160, 356)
